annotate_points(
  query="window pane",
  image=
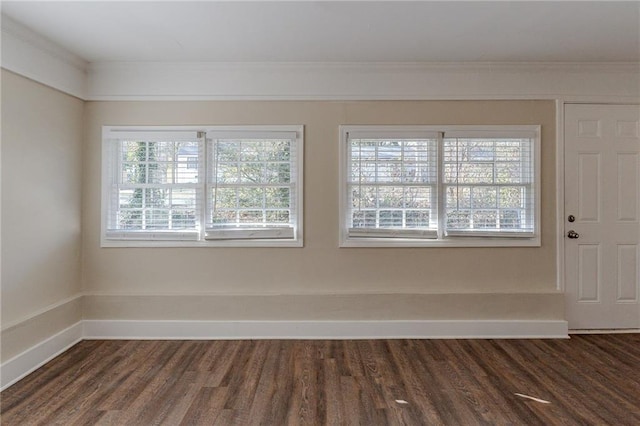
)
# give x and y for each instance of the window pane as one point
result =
(156, 197)
(418, 173)
(484, 219)
(459, 219)
(277, 216)
(389, 171)
(363, 171)
(509, 173)
(252, 172)
(508, 151)
(250, 197)
(474, 173)
(251, 217)
(148, 195)
(133, 172)
(130, 198)
(510, 219)
(391, 196)
(277, 150)
(364, 149)
(419, 151)
(130, 219)
(224, 216)
(483, 174)
(484, 197)
(227, 172)
(277, 197)
(278, 173)
(183, 208)
(133, 151)
(418, 219)
(254, 181)
(225, 198)
(390, 218)
(385, 177)
(156, 219)
(227, 151)
(364, 219)
(363, 196)
(477, 150)
(416, 197)
(251, 151)
(512, 196)
(187, 164)
(458, 197)
(160, 173)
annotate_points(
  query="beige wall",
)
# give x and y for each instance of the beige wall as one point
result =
(320, 267)
(41, 191)
(51, 159)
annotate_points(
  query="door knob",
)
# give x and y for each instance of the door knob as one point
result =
(573, 234)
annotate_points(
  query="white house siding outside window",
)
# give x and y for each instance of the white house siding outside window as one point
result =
(439, 186)
(205, 186)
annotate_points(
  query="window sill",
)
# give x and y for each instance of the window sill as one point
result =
(200, 244)
(446, 242)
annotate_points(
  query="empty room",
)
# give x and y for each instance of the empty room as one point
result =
(320, 212)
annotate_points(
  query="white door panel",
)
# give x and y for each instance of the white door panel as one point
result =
(602, 192)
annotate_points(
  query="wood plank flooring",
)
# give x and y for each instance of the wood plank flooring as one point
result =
(589, 379)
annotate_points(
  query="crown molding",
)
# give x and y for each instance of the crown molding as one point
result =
(361, 81)
(31, 55)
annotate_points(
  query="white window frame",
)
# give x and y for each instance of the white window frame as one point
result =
(198, 238)
(388, 238)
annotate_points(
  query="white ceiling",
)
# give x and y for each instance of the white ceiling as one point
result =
(563, 31)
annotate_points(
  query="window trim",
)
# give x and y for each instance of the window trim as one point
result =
(511, 239)
(198, 238)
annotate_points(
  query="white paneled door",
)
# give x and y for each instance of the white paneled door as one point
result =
(602, 212)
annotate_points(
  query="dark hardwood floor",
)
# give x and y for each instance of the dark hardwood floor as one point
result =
(589, 379)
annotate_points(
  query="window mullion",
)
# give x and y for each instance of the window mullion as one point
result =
(203, 180)
(264, 181)
(172, 185)
(527, 164)
(144, 190)
(440, 192)
(113, 219)
(375, 179)
(238, 180)
(495, 179)
(404, 193)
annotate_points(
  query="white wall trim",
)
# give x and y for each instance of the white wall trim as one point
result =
(31, 55)
(419, 329)
(560, 219)
(607, 331)
(33, 358)
(361, 81)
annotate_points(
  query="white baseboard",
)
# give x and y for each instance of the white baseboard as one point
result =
(421, 329)
(606, 331)
(33, 358)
